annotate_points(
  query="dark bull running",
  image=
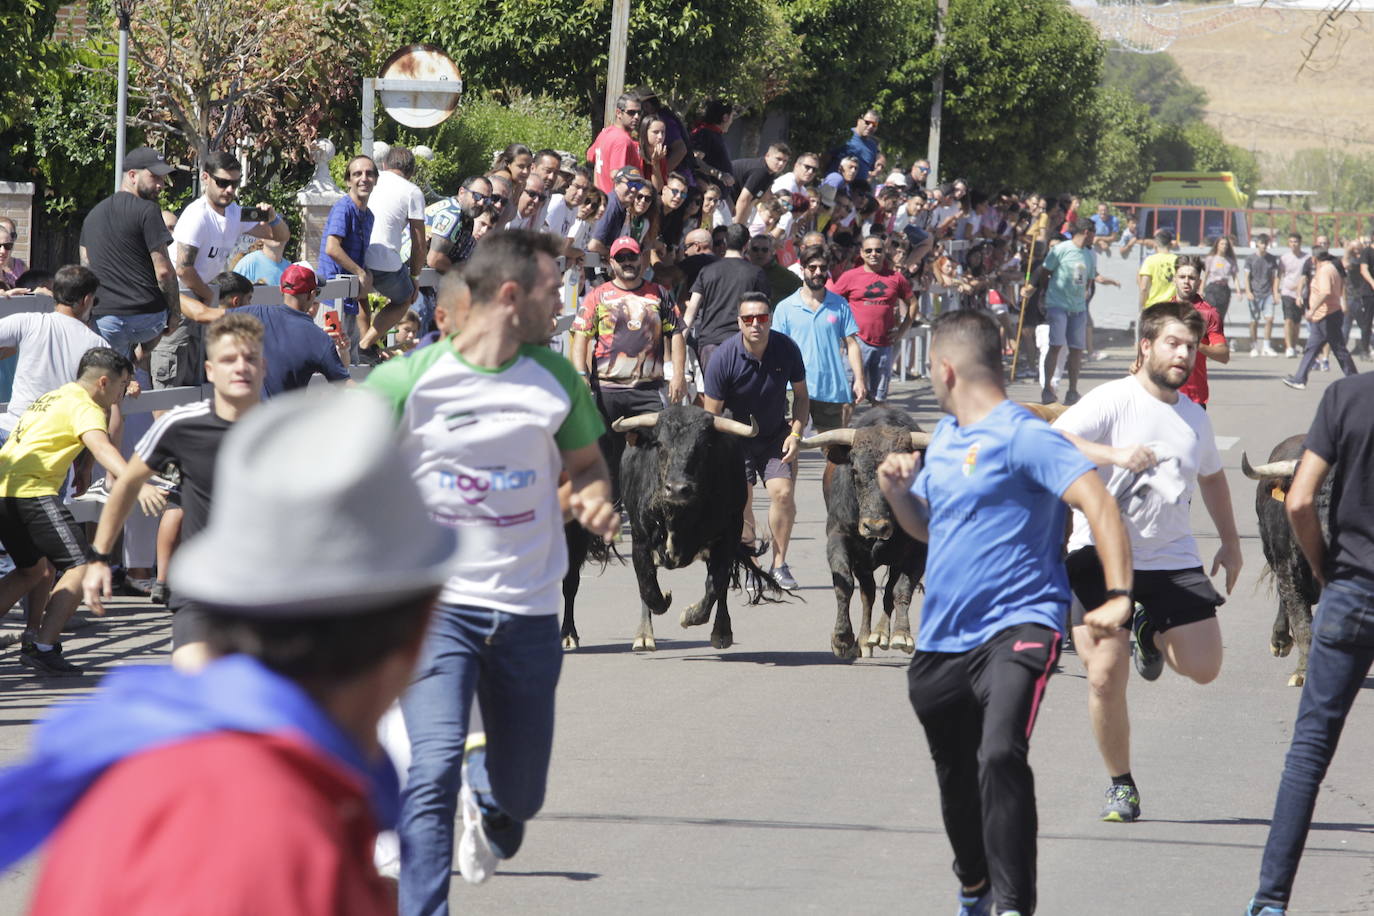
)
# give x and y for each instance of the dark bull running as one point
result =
(861, 534)
(682, 481)
(1297, 587)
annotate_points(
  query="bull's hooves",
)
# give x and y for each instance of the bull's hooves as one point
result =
(1280, 650)
(722, 640)
(693, 616)
(867, 652)
(903, 642)
(1296, 680)
(870, 640)
(884, 642)
(644, 644)
(571, 642)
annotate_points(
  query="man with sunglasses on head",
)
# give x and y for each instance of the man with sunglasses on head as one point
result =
(749, 376)
(627, 182)
(343, 244)
(616, 147)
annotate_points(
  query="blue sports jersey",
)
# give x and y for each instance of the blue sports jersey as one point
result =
(996, 527)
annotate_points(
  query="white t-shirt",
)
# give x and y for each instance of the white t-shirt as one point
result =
(50, 349)
(784, 184)
(560, 217)
(1121, 413)
(394, 202)
(213, 235)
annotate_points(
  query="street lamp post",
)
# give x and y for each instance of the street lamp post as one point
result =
(124, 11)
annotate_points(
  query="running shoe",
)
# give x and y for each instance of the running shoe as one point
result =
(476, 860)
(1326, 364)
(1254, 909)
(1123, 804)
(784, 577)
(1293, 383)
(158, 593)
(1269, 351)
(49, 661)
(981, 905)
(1149, 661)
(1047, 395)
(1290, 353)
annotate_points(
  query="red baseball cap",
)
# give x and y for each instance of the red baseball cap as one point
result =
(624, 243)
(298, 279)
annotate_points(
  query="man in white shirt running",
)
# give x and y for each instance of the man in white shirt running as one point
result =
(1154, 448)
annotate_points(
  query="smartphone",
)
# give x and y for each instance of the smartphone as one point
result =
(331, 321)
(254, 215)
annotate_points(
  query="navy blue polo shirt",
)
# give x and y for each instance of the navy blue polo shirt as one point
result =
(295, 349)
(757, 388)
(612, 224)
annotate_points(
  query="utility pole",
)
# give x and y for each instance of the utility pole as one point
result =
(615, 70)
(937, 95)
(124, 10)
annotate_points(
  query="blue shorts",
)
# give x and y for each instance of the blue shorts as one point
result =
(396, 285)
(1068, 328)
(1262, 307)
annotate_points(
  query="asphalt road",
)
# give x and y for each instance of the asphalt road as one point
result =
(771, 777)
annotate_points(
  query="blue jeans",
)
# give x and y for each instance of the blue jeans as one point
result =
(1320, 333)
(124, 332)
(511, 663)
(1341, 656)
(877, 363)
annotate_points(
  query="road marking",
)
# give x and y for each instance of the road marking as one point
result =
(1225, 442)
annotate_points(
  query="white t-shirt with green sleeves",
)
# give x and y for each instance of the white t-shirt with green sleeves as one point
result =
(484, 446)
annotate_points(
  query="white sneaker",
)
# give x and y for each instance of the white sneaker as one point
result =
(1254, 352)
(476, 860)
(1326, 365)
(1269, 351)
(1290, 353)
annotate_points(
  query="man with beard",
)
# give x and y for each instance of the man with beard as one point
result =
(623, 323)
(1154, 448)
(488, 420)
(124, 241)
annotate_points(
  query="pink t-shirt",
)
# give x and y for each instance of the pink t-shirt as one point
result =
(874, 299)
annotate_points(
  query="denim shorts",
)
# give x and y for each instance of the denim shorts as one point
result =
(877, 365)
(124, 332)
(1068, 328)
(1262, 307)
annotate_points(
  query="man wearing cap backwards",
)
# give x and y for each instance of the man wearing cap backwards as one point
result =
(255, 785)
(124, 240)
(488, 419)
(189, 436)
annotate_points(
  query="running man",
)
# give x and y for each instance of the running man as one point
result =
(489, 419)
(990, 500)
(1338, 444)
(189, 437)
(1154, 448)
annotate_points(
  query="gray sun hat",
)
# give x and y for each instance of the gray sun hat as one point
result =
(314, 514)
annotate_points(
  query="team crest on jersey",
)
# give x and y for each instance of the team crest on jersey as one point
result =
(971, 459)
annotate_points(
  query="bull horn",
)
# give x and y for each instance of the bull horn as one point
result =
(735, 427)
(1272, 469)
(1047, 412)
(640, 421)
(920, 440)
(833, 437)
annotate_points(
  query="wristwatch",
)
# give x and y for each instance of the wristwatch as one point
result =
(1116, 593)
(95, 556)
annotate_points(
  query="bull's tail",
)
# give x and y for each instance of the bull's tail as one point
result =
(603, 554)
(747, 575)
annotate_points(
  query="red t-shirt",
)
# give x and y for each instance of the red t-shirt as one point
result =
(612, 149)
(227, 824)
(1196, 386)
(873, 298)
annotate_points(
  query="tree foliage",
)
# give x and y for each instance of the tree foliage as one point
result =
(1157, 82)
(29, 56)
(739, 49)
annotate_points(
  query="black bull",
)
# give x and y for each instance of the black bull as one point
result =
(862, 535)
(1297, 586)
(683, 485)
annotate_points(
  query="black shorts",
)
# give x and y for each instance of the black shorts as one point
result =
(188, 622)
(35, 527)
(1171, 597)
(1291, 310)
(763, 459)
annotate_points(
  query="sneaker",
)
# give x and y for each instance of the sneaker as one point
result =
(1269, 351)
(1123, 804)
(784, 577)
(1290, 353)
(1149, 661)
(1325, 364)
(1293, 383)
(1047, 395)
(372, 356)
(48, 662)
(476, 861)
(1254, 352)
(980, 905)
(158, 593)
(1254, 909)
(1097, 356)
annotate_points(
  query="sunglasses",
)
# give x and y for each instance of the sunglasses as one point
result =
(760, 249)
(644, 197)
(499, 200)
(226, 183)
(761, 318)
(808, 168)
(816, 268)
(676, 192)
(872, 250)
(870, 122)
(8, 246)
(632, 112)
(478, 197)
(535, 195)
(626, 258)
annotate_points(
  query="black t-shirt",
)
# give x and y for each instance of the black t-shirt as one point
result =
(1359, 287)
(714, 152)
(188, 436)
(1342, 434)
(118, 235)
(752, 174)
(692, 265)
(722, 285)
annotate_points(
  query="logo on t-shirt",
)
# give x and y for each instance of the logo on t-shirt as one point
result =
(971, 459)
(876, 290)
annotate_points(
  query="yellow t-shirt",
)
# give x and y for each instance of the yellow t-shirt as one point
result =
(35, 459)
(1159, 267)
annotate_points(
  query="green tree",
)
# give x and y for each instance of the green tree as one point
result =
(1156, 81)
(737, 49)
(1123, 134)
(25, 29)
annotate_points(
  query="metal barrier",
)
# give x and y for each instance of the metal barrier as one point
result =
(1198, 225)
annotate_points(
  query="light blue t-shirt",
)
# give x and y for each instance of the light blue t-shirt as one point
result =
(1070, 270)
(261, 269)
(820, 337)
(1105, 225)
(996, 527)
